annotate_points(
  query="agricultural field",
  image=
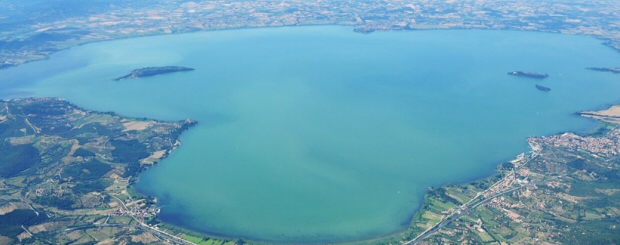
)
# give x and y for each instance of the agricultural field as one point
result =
(566, 191)
(66, 172)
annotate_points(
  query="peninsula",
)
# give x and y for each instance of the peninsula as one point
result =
(528, 74)
(153, 71)
(66, 175)
(615, 70)
(611, 115)
(67, 171)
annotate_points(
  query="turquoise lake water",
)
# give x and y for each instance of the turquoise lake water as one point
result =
(317, 134)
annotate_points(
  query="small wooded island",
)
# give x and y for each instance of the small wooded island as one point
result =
(614, 69)
(543, 88)
(528, 74)
(152, 71)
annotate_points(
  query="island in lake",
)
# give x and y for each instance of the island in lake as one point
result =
(543, 88)
(614, 69)
(528, 74)
(152, 71)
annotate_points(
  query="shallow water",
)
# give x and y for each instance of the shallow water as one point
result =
(315, 134)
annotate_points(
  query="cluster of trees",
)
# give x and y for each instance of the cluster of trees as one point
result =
(129, 152)
(16, 159)
(441, 193)
(81, 152)
(65, 202)
(88, 175)
(91, 186)
(13, 128)
(11, 223)
(91, 170)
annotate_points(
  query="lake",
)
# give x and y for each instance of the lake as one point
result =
(319, 134)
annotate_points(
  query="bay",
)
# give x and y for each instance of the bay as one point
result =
(320, 134)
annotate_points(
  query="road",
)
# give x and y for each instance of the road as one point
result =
(156, 232)
(466, 209)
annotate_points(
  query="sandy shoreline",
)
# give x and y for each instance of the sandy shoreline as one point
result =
(611, 115)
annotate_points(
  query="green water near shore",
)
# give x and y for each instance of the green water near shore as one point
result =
(316, 134)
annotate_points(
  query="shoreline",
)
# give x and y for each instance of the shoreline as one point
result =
(392, 237)
(388, 238)
(363, 241)
(396, 237)
(354, 28)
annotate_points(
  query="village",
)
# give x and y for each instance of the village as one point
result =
(604, 146)
(544, 196)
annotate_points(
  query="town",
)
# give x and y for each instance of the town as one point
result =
(560, 192)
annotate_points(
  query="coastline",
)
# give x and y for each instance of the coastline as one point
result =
(97, 161)
(411, 234)
(355, 28)
(366, 241)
